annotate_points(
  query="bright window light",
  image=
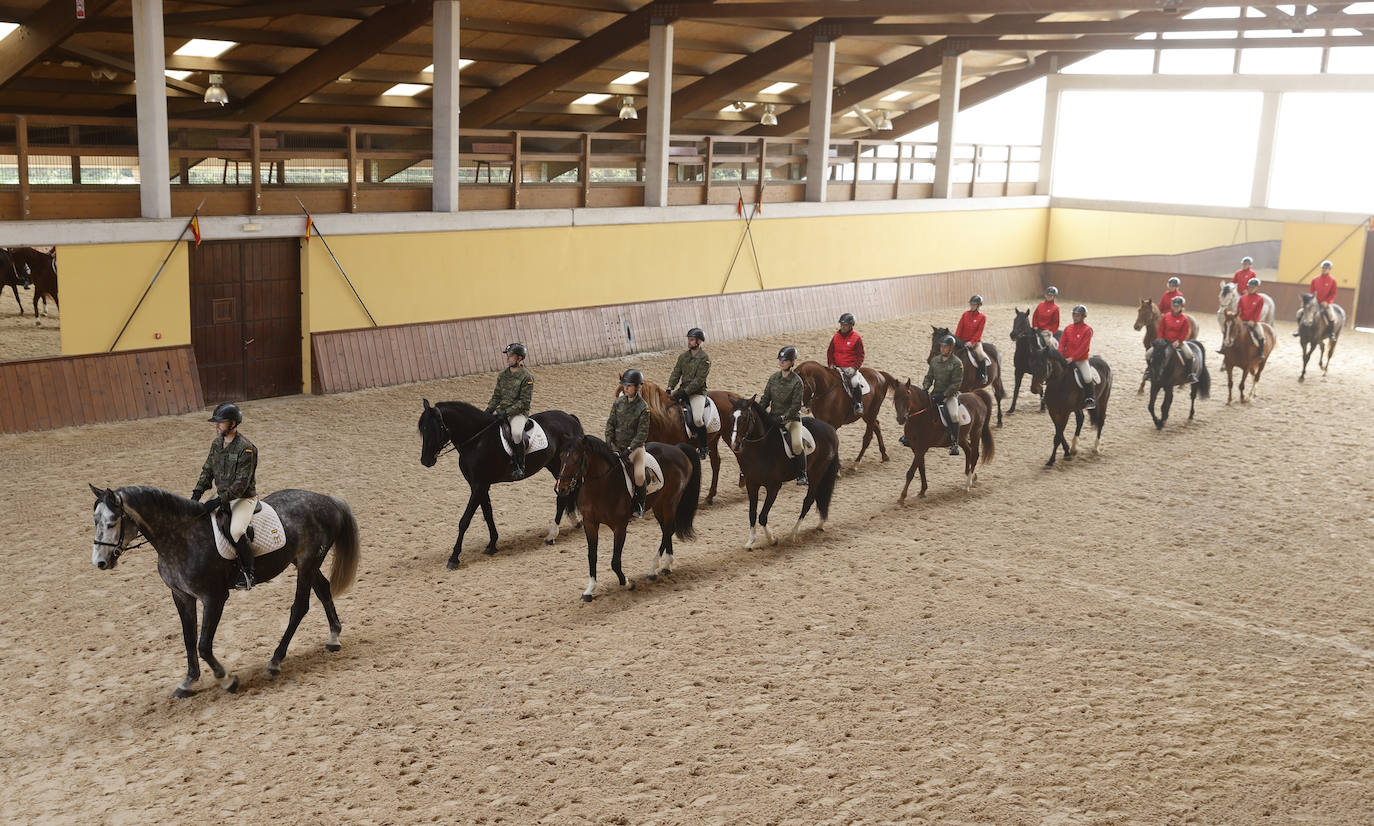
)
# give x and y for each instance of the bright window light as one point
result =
(733, 108)
(1359, 8)
(776, 88)
(176, 74)
(1197, 61)
(1319, 150)
(462, 63)
(1281, 61)
(631, 78)
(6, 29)
(1115, 62)
(1198, 35)
(205, 48)
(1012, 117)
(591, 98)
(1351, 60)
(1218, 13)
(891, 96)
(406, 89)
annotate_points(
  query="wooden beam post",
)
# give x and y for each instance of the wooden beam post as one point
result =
(255, 165)
(584, 169)
(517, 170)
(818, 139)
(710, 169)
(351, 135)
(21, 139)
(74, 139)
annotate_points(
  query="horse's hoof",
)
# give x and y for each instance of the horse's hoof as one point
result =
(921, 495)
(586, 597)
(452, 564)
(665, 572)
(490, 550)
(233, 687)
(548, 541)
(651, 577)
(332, 646)
(273, 668)
(183, 693)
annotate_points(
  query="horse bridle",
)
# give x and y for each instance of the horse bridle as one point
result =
(453, 444)
(580, 478)
(120, 547)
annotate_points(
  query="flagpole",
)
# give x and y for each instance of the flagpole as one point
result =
(740, 212)
(175, 242)
(310, 221)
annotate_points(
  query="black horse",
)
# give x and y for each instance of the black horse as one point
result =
(1167, 372)
(763, 464)
(1063, 396)
(12, 276)
(965, 356)
(484, 462)
(189, 564)
(1027, 340)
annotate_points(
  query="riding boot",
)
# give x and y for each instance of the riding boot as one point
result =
(640, 491)
(1090, 396)
(243, 552)
(799, 470)
(703, 442)
(953, 428)
(982, 372)
(517, 459)
(858, 398)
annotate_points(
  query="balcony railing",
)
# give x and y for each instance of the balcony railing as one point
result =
(58, 168)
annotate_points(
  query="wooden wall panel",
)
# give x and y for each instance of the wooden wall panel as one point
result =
(353, 359)
(42, 394)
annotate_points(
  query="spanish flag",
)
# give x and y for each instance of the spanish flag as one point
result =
(739, 206)
(309, 225)
(195, 228)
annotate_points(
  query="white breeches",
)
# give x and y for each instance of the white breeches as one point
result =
(977, 349)
(952, 408)
(240, 514)
(517, 428)
(1085, 374)
(697, 404)
(637, 465)
(794, 434)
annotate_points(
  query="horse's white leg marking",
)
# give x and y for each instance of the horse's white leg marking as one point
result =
(968, 482)
(750, 544)
(552, 534)
(333, 637)
(228, 682)
(795, 529)
(654, 565)
(1073, 446)
(591, 586)
(767, 534)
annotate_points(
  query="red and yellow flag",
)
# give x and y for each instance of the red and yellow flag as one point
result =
(195, 228)
(309, 225)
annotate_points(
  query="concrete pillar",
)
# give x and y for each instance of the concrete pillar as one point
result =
(950, 70)
(150, 61)
(818, 139)
(1264, 151)
(1047, 135)
(445, 106)
(659, 116)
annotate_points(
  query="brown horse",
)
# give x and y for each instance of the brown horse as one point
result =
(666, 423)
(591, 471)
(829, 401)
(1239, 350)
(924, 430)
(757, 443)
(1314, 331)
(12, 277)
(1063, 396)
(971, 382)
(1147, 317)
(42, 269)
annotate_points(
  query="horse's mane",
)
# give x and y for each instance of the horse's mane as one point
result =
(657, 398)
(601, 449)
(766, 418)
(165, 500)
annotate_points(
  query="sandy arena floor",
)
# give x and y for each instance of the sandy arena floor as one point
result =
(1178, 630)
(20, 338)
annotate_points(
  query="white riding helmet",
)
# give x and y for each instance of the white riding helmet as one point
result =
(1326, 265)
(1174, 282)
(1247, 260)
(1178, 301)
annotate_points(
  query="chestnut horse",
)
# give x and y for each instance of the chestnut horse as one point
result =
(829, 401)
(1147, 317)
(970, 382)
(764, 464)
(666, 423)
(42, 270)
(1314, 330)
(1063, 396)
(12, 277)
(922, 430)
(1240, 351)
(594, 475)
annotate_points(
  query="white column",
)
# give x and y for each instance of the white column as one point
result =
(950, 70)
(1047, 135)
(1264, 151)
(445, 106)
(659, 116)
(818, 139)
(150, 84)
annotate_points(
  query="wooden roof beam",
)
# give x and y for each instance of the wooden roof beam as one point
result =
(277, 8)
(325, 66)
(1124, 25)
(808, 9)
(44, 29)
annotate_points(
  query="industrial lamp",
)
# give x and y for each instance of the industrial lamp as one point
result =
(883, 123)
(627, 109)
(215, 93)
(768, 119)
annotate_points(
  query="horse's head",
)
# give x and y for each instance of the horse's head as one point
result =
(112, 528)
(904, 401)
(1145, 314)
(1227, 297)
(572, 466)
(433, 434)
(750, 422)
(1021, 325)
(1307, 313)
(936, 335)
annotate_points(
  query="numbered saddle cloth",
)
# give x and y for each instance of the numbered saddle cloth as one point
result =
(808, 443)
(710, 413)
(653, 474)
(964, 417)
(535, 438)
(265, 531)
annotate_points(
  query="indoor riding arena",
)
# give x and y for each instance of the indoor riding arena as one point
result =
(1166, 624)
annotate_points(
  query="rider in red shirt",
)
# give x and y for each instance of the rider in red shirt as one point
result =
(1251, 310)
(1074, 345)
(970, 332)
(1324, 288)
(1046, 315)
(846, 354)
(1166, 301)
(1243, 275)
(1175, 328)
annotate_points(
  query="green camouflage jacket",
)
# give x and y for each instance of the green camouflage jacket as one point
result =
(628, 425)
(512, 394)
(692, 370)
(783, 397)
(231, 468)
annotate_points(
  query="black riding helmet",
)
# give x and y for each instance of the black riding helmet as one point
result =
(632, 376)
(788, 353)
(516, 348)
(696, 333)
(227, 412)
(976, 299)
(1080, 309)
(947, 340)
(847, 318)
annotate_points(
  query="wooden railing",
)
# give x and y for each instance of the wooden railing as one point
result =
(52, 167)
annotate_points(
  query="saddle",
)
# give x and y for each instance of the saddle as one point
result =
(808, 443)
(859, 381)
(709, 412)
(653, 474)
(1078, 380)
(535, 438)
(265, 532)
(943, 413)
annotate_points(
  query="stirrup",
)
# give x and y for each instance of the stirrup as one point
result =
(802, 481)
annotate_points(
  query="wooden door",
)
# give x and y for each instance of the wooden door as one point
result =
(1364, 306)
(246, 317)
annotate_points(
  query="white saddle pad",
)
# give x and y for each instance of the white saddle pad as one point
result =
(862, 383)
(712, 416)
(964, 417)
(268, 534)
(535, 438)
(653, 475)
(1092, 371)
(808, 443)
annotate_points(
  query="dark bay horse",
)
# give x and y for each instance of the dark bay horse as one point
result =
(1027, 341)
(666, 425)
(1063, 396)
(42, 272)
(1241, 351)
(923, 430)
(830, 402)
(594, 476)
(1165, 371)
(1314, 331)
(484, 462)
(1147, 318)
(971, 382)
(13, 277)
(764, 464)
(188, 562)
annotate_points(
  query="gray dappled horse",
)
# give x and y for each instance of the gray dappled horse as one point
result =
(1314, 331)
(188, 562)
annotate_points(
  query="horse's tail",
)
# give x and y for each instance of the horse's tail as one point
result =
(687, 505)
(344, 569)
(826, 488)
(1204, 378)
(989, 450)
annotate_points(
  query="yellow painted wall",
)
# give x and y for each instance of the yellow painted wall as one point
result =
(101, 283)
(1305, 246)
(1086, 233)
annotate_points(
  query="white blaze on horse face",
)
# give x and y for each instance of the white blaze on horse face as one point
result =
(734, 436)
(106, 530)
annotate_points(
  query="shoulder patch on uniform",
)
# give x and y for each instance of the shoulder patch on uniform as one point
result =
(248, 450)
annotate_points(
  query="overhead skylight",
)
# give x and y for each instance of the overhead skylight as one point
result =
(631, 78)
(776, 88)
(891, 96)
(176, 74)
(6, 28)
(1359, 8)
(407, 89)
(1213, 13)
(462, 63)
(591, 98)
(205, 48)
(745, 104)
